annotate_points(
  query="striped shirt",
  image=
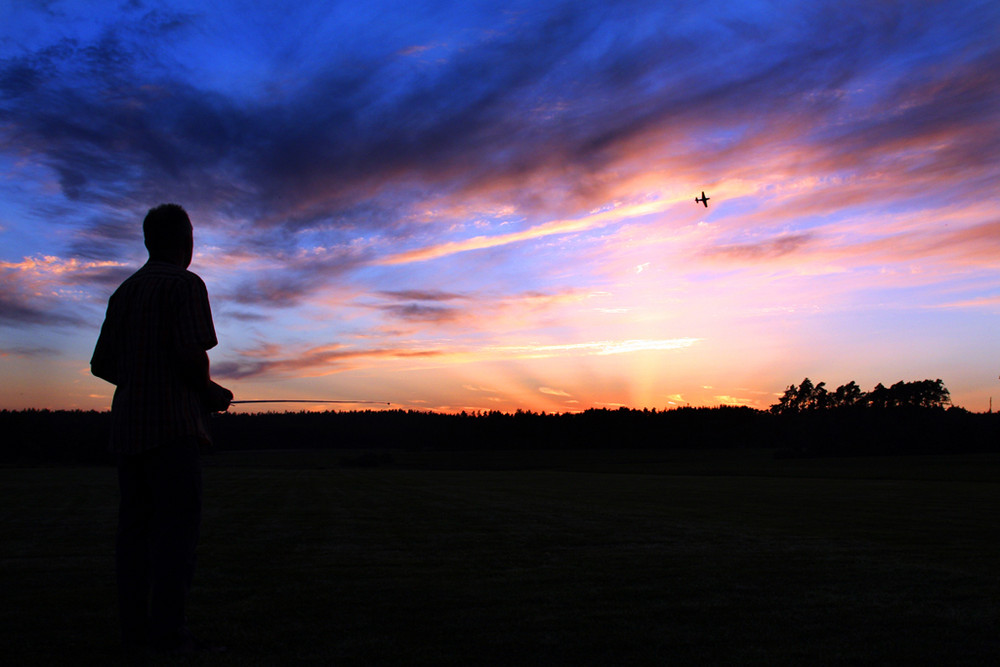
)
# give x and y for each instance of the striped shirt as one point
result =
(158, 311)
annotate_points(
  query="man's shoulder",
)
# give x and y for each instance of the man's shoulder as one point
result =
(165, 271)
(162, 274)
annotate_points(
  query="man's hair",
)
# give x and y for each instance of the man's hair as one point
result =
(165, 229)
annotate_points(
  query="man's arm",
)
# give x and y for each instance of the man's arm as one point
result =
(102, 364)
(194, 368)
(217, 398)
(104, 371)
(195, 336)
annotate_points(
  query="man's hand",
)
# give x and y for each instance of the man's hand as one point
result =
(217, 398)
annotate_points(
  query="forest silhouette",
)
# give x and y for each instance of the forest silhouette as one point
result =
(930, 394)
(808, 420)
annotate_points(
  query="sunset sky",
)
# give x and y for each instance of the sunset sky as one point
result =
(490, 205)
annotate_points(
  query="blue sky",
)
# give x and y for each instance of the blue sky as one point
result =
(487, 205)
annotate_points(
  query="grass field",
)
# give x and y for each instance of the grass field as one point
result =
(591, 558)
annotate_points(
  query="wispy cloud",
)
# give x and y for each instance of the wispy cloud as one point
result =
(374, 127)
(592, 221)
(40, 290)
(421, 305)
(596, 347)
(16, 310)
(311, 362)
(733, 400)
(420, 295)
(416, 312)
(29, 352)
(293, 278)
(44, 269)
(763, 250)
(274, 360)
(991, 302)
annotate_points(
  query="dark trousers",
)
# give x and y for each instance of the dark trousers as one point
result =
(159, 516)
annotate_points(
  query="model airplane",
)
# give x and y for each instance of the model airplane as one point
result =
(703, 199)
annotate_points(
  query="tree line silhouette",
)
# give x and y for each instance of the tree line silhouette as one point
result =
(807, 396)
(808, 420)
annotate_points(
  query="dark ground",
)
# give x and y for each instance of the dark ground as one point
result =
(583, 558)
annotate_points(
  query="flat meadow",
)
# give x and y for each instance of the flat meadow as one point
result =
(528, 558)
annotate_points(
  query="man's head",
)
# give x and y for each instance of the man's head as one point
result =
(168, 235)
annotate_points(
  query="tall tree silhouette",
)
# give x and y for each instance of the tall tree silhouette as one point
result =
(929, 394)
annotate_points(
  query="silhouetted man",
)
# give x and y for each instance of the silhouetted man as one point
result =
(153, 348)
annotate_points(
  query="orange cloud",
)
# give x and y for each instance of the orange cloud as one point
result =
(43, 270)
